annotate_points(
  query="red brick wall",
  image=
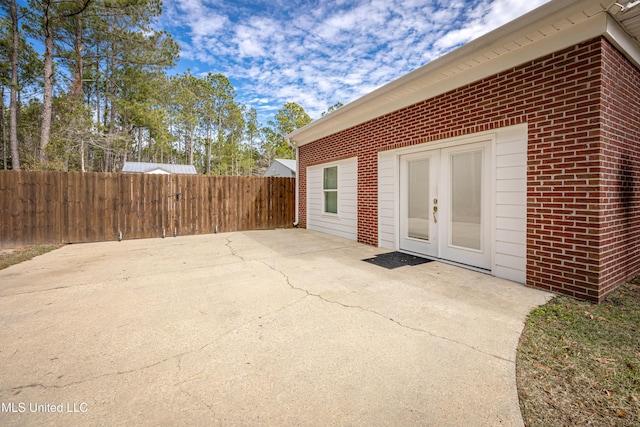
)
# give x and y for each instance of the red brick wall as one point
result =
(559, 97)
(620, 222)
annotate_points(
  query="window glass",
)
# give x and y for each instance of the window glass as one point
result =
(331, 202)
(331, 178)
(330, 187)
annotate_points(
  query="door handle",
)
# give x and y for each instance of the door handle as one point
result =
(435, 216)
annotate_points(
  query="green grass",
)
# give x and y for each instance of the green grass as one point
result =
(9, 257)
(579, 363)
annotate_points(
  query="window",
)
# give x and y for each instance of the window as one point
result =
(330, 187)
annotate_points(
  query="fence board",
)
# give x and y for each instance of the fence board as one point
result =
(261, 201)
(247, 205)
(220, 204)
(20, 208)
(52, 206)
(91, 207)
(71, 201)
(178, 199)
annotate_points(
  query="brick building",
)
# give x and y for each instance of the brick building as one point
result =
(516, 154)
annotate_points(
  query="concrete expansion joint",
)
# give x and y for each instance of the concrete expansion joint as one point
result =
(384, 316)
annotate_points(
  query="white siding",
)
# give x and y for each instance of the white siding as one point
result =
(511, 204)
(387, 199)
(345, 223)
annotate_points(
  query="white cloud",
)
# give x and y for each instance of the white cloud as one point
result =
(485, 16)
(321, 52)
(201, 20)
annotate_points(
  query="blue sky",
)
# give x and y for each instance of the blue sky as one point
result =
(317, 53)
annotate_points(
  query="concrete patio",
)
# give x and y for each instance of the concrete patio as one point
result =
(281, 327)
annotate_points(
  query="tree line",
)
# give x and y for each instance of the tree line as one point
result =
(103, 93)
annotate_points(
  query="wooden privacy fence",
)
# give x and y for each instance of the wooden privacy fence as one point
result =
(71, 207)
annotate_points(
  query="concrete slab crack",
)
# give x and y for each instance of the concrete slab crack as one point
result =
(249, 322)
(86, 380)
(203, 402)
(234, 252)
(384, 316)
(177, 357)
(57, 288)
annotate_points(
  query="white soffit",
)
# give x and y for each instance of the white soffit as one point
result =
(629, 19)
(624, 30)
(554, 26)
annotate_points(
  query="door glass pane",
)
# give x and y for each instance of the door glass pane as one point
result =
(466, 199)
(418, 209)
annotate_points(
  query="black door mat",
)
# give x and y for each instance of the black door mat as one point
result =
(393, 260)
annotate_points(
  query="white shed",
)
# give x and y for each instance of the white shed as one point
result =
(282, 167)
(158, 168)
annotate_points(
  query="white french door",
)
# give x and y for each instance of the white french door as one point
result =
(445, 204)
(419, 202)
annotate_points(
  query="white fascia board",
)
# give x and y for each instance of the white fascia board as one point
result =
(538, 33)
